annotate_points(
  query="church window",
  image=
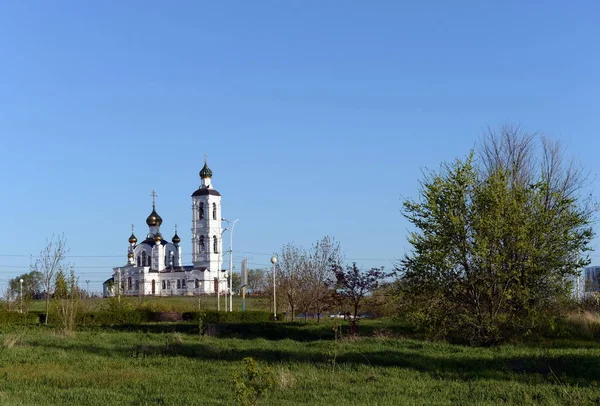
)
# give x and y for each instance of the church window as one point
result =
(137, 285)
(178, 284)
(129, 283)
(201, 211)
(164, 285)
(183, 284)
(197, 285)
(215, 250)
(168, 284)
(139, 261)
(144, 258)
(149, 260)
(202, 244)
(214, 211)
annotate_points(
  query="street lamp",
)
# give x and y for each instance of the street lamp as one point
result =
(231, 262)
(274, 262)
(219, 254)
(21, 294)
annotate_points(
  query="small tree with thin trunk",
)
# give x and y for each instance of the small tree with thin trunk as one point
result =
(50, 261)
(353, 285)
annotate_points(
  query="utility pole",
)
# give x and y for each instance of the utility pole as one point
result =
(274, 262)
(87, 287)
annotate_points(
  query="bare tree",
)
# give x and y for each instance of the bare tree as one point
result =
(51, 261)
(290, 271)
(323, 254)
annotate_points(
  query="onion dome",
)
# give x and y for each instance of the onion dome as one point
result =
(157, 238)
(154, 219)
(205, 172)
(176, 240)
(132, 239)
(130, 255)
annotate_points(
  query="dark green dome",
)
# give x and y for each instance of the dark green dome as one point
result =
(205, 172)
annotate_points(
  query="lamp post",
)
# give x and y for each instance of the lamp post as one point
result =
(21, 294)
(219, 254)
(274, 262)
(231, 262)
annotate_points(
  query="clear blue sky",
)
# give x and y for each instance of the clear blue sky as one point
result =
(317, 116)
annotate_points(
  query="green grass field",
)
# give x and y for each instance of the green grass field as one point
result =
(172, 365)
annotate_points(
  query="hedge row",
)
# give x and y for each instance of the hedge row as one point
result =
(18, 318)
(140, 316)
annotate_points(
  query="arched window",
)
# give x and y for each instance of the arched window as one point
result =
(144, 259)
(129, 283)
(149, 260)
(178, 284)
(215, 248)
(137, 285)
(164, 285)
(197, 285)
(183, 284)
(201, 211)
(214, 211)
(202, 244)
(139, 261)
(168, 284)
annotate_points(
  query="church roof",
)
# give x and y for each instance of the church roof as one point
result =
(205, 191)
(151, 242)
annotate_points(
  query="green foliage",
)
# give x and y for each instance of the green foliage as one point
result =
(7, 318)
(32, 284)
(213, 316)
(66, 299)
(495, 244)
(253, 384)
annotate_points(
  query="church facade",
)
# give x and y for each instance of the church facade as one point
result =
(154, 266)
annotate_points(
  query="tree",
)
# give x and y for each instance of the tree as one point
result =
(236, 283)
(32, 284)
(67, 296)
(257, 281)
(352, 285)
(498, 235)
(290, 272)
(50, 261)
(319, 259)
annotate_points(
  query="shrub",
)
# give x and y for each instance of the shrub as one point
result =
(18, 318)
(213, 316)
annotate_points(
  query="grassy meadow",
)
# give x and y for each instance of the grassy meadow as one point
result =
(170, 364)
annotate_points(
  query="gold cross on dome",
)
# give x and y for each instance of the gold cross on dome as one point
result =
(132, 229)
(205, 157)
(153, 194)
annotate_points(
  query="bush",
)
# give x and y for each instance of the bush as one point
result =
(213, 316)
(18, 318)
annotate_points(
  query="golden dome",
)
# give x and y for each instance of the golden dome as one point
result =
(132, 239)
(157, 237)
(176, 240)
(154, 219)
(130, 255)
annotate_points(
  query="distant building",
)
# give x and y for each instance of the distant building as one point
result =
(154, 266)
(591, 279)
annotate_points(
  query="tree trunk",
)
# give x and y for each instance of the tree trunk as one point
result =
(47, 305)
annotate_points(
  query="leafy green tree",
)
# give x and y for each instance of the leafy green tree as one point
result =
(32, 284)
(498, 236)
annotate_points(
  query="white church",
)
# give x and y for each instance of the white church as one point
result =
(154, 266)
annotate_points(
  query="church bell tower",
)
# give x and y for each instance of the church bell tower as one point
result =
(206, 229)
